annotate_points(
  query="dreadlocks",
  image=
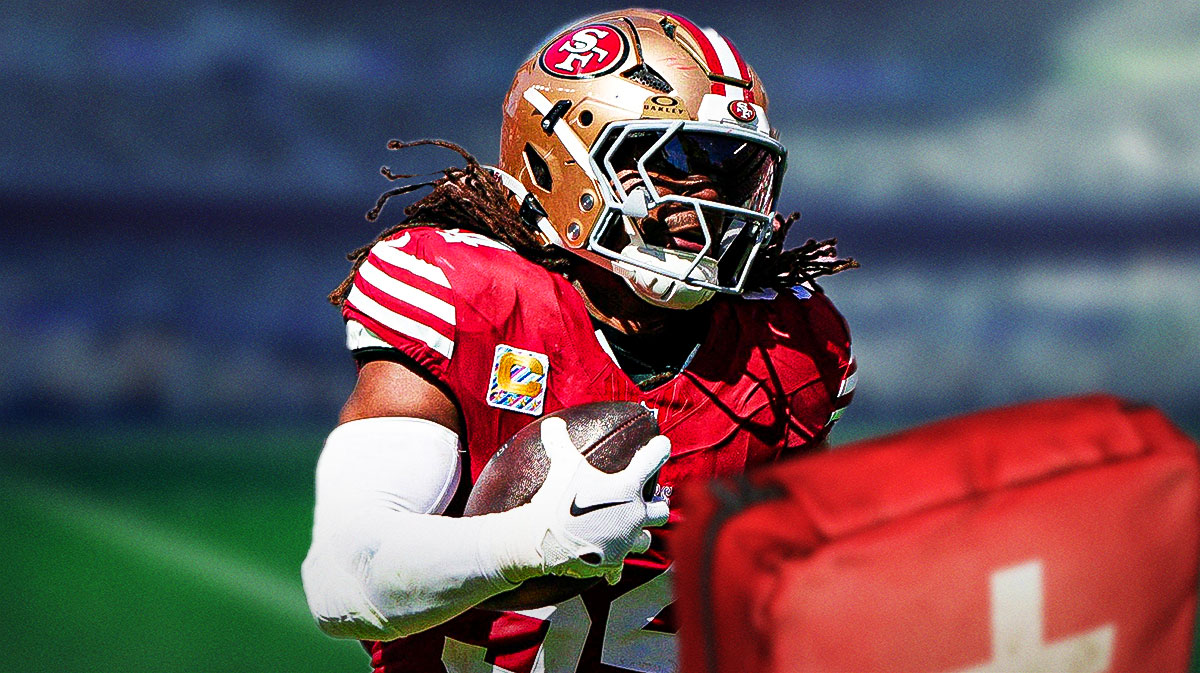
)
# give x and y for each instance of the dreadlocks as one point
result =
(781, 269)
(468, 198)
(472, 198)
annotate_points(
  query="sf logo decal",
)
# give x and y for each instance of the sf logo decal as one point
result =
(742, 111)
(590, 51)
(583, 45)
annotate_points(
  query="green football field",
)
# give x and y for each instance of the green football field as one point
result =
(150, 551)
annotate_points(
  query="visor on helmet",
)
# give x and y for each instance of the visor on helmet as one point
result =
(743, 171)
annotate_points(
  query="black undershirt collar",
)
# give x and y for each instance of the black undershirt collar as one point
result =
(650, 361)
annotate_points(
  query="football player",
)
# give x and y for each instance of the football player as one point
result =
(625, 248)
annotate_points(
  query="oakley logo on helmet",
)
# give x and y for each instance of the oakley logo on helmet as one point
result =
(593, 50)
(742, 111)
(664, 107)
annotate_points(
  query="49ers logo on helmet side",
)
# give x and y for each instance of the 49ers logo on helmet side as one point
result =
(589, 51)
(742, 111)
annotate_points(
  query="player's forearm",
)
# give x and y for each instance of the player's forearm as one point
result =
(383, 563)
(410, 571)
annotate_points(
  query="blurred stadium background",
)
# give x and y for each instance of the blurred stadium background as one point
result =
(179, 182)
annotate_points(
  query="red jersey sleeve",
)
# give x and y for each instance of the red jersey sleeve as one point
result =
(819, 330)
(832, 338)
(839, 370)
(402, 294)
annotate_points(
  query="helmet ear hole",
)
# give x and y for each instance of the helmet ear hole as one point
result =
(585, 118)
(538, 168)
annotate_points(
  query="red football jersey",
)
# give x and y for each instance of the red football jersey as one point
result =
(512, 341)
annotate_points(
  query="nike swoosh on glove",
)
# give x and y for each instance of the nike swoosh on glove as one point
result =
(585, 521)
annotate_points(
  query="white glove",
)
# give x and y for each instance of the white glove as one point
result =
(586, 521)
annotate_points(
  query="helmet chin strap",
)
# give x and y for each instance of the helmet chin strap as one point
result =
(661, 290)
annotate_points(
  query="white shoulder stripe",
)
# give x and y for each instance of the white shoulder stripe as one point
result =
(850, 381)
(358, 337)
(385, 251)
(848, 384)
(406, 293)
(402, 324)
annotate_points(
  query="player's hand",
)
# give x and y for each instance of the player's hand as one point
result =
(586, 521)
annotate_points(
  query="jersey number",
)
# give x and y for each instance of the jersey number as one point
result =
(626, 644)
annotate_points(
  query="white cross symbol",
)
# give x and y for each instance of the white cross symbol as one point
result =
(1017, 633)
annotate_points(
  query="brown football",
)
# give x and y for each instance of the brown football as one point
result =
(606, 433)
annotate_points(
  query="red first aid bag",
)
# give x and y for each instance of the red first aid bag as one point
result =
(1054, 536)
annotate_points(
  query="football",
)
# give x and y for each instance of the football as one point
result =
(606, 433)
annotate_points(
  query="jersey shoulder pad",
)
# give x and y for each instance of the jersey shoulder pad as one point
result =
(804, 318)
(403, 295)
(814, 324)
(840, 370)
(417, 289)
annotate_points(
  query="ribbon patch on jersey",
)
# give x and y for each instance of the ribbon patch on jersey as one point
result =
(518, 381)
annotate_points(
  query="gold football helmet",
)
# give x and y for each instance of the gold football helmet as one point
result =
(640, 142)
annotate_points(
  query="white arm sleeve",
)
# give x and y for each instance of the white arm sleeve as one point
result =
(382, 563)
